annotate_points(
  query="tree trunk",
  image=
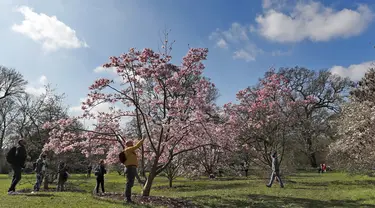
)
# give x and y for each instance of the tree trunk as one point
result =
(170, 182)
(150, 179)
(313, 162)
(311, 153)
(2, 161)
(46, 178)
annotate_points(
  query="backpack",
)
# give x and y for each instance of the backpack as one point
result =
(11, 155)
(97, 171)
(122, 157)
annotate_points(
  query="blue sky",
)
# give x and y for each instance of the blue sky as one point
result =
(245, 38)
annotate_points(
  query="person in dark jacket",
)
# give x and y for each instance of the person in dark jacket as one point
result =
(62, 176)
(40, 170)
(275, 171)
(99, 172)
(17, 165)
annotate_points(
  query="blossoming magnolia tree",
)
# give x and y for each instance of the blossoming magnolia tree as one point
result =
(354, 149)
(263, 117)
(169, 101)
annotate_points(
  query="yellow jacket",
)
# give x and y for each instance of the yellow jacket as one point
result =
(131, 155)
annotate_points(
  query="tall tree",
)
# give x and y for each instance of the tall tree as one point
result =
(171, 101)
(264, 116)
(328, 92)
(354, 148)
(12, 82)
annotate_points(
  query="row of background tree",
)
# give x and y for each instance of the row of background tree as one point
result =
(329, 122)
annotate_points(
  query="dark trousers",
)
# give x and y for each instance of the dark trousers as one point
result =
(16, 177)
(61, 184)
(275, 174)
(131, 172)
(99, 182)
(39, 180)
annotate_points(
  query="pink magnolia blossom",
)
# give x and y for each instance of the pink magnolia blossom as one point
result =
(171, 101)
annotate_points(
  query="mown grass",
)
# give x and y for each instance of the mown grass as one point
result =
(301, 190)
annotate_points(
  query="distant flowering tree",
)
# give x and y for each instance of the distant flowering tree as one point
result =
(170, 102)
(354, 149)
(263, 117)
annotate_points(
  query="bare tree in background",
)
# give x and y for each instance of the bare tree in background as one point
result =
(12, 82)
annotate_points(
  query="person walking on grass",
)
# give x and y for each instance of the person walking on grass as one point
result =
(99, 173)
(16, 157)
(40, 170)
(275, 171)
(62, 176)
(131, 164)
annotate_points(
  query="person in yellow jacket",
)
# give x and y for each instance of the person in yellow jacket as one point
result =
(131, 164)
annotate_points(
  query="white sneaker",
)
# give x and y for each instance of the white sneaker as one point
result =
(10, 192)
(33, 192)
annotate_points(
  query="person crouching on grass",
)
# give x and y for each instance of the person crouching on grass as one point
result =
(99, 173)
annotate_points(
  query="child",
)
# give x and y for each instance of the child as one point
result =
(99, 173)
(62, 176)
(40, 170)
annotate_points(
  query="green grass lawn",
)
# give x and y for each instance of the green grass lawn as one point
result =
(302, 190)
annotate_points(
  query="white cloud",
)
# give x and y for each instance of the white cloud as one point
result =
(247, 53)
(281, 53)
(36, 91)
(113, 71)
(242, 54)
(101, 69)
(276, 4)
(237, 35)
(313, 21)
(47, 30)
(266, 3)
(222, 43)
(38, 88)
(43, 80)
(355, 72)
(103, 107)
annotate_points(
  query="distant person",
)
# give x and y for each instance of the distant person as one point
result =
(131, 164)
(100, 171)
(324, 168)
(40, 170)
(89, 169)
(246, 168)
(275, 171)
(16, 157)
(320, 168)
(62, 176)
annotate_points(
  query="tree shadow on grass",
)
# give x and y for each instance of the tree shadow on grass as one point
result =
(120, 202)
(360, 183)
(203, 187)
(354, 183)
(217, 201)
(265, 201)
(40, 195)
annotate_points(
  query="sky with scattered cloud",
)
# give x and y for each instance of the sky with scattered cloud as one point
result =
(64, 43)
